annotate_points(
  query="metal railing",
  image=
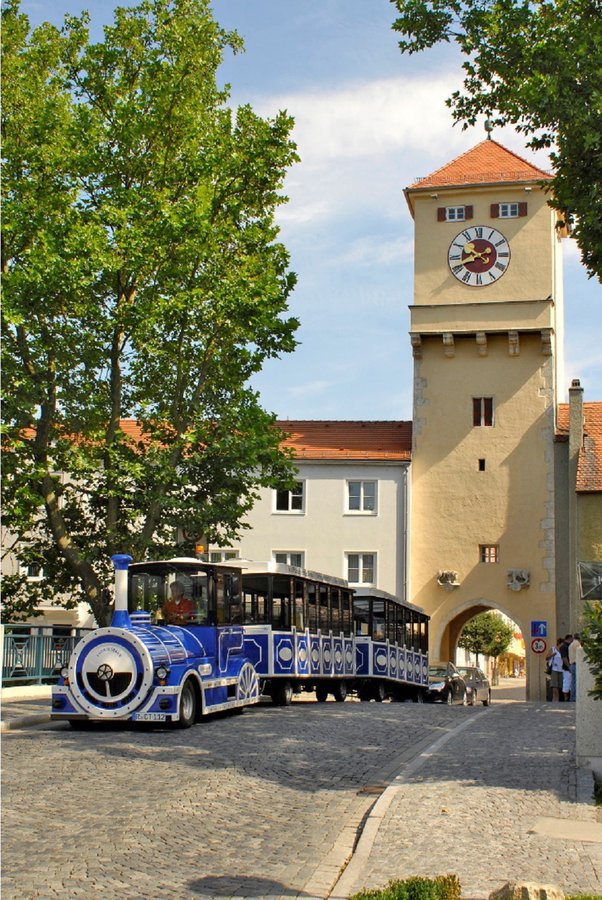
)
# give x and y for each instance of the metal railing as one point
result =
(30, 655)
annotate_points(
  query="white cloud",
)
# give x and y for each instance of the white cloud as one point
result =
(362, 143)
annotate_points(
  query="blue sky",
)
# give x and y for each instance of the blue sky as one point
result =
(368, 122)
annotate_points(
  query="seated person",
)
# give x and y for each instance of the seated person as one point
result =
(178, 610)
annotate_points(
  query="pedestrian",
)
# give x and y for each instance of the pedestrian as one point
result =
(573, 647)
(555, 666)
(566, 666)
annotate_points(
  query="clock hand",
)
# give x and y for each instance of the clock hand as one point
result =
(475, 254)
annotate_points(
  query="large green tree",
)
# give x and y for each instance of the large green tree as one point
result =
(534, 64)
(143, 280)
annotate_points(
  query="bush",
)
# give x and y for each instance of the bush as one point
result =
(444, 887)
(591, 638)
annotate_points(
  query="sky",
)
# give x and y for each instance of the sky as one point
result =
(368, 122)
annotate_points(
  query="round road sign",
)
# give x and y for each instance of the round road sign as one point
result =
(538, 645)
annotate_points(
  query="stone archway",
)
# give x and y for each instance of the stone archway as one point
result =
(445, 630)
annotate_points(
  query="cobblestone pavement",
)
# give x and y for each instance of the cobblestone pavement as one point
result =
(496, 803)
(264, 804)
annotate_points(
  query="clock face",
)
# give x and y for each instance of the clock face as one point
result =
(479, 255)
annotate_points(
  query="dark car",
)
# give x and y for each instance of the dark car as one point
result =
(479, 687)
(446, 685)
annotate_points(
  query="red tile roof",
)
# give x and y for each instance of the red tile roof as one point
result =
(313, 439)
(349, 440)
(589, 467)
(487, 163)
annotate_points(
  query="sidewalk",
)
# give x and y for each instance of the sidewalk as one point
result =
(23, 706)
(498, 799)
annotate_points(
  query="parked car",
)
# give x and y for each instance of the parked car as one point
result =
(478, 685)
(446, 685)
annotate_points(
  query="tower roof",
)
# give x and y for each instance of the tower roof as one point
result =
(487, 163)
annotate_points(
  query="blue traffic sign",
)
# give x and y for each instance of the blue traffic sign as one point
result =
(539, 629)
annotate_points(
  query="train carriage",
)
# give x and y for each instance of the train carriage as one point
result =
(189, 638)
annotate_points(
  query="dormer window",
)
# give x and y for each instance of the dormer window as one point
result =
(454, 213)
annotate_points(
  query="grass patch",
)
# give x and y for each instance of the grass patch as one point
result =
(444, 887)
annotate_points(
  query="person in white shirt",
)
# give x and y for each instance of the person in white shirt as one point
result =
(555, 661)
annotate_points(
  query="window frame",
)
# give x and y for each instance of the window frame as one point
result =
(290, 511)
(288, 554)
(489, 554)
(361, 567)
(362, 511)
(485, 412)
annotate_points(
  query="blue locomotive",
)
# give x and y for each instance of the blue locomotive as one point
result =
(189, 638)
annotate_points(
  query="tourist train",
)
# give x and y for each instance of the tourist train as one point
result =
(189, 638)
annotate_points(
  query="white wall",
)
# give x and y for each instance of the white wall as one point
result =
(326, 531)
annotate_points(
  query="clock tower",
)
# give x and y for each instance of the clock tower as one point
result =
(486, 333)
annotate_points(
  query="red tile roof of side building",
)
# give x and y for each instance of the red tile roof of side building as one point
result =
(333, 440)
(589, 466)
(349, 440)
(487, 163)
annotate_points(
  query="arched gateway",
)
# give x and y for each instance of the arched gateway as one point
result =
(486, 332)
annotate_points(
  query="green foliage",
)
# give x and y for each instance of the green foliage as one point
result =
(591, 640)
(143, 280)
(443, 887)
(535, 66)
(487, 633)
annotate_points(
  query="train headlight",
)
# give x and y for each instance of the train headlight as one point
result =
(162, 672)
(65, 673)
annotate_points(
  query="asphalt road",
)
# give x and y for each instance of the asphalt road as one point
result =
(267, 803)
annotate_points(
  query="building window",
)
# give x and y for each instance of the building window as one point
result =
(361, 568)
(291, 501)
(33, 572)
(361, 496)
(489, 553)
(482, 410)
(508, 210)
(290, 558)
(220, 556)
(454, 213)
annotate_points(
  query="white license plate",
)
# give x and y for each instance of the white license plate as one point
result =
(151, 717)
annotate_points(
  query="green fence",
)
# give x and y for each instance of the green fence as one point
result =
(30, 655)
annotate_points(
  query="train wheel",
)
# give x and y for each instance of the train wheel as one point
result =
(339, 691)
(321, 693)
(187, 706)
(379, 692)
(418, 697)
(282, 693)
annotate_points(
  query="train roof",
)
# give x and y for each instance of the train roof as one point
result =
(268, 567)
(377, 594)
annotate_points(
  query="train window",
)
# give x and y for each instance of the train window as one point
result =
(147, 592)
(299, 616)
(324, 623)
(254, 607)
(391, 613)
(281, 602)
(361, 616)
(378, 620)
(347, 615)
(233, 599)
(335, 610)
(312, 608)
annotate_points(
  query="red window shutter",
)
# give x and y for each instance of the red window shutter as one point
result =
(441, 216)
(495, 211)
(468, 212)
(522, 209)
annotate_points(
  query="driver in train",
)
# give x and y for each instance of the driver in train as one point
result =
(179, 609)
